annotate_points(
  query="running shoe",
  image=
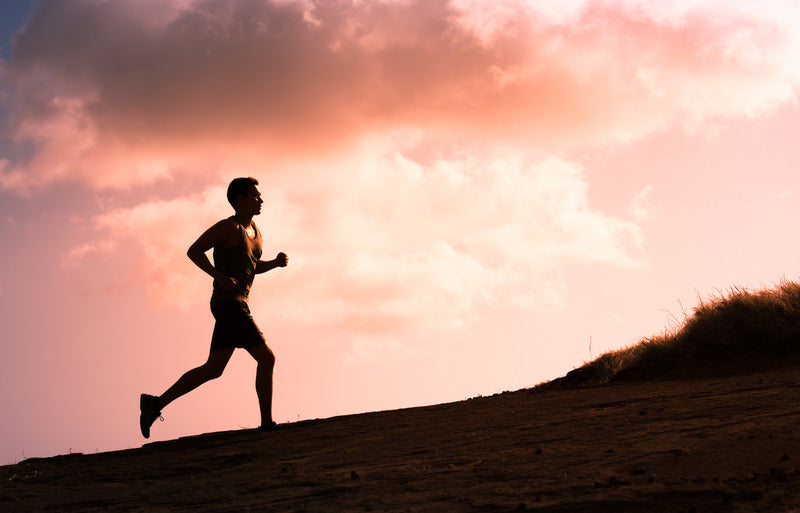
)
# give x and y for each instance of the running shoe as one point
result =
(150, 411)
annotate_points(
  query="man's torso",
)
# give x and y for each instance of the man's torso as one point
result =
(238, 259)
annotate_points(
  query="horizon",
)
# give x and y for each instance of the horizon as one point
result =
(474, 196)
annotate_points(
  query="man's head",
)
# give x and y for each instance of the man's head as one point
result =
(240, 187)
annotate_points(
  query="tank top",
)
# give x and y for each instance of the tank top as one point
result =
(238, 262)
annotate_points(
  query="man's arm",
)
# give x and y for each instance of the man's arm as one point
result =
(217, 235)
(267, 265)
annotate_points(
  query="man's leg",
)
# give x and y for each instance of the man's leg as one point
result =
(266, 363)
(212, 369)
(151, 406)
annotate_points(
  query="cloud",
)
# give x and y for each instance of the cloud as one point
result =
(414, 154)
(639, 208)
(162, 88)
(163, 230)
(374, 349)
(385, 241)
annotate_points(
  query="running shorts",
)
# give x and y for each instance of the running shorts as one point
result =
(235, 326)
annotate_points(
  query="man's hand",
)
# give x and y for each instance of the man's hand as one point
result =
(226, 283)
(282, 260)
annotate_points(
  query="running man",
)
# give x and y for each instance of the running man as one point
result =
(237, 251)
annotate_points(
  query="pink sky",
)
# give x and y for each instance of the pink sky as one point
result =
(469, 192)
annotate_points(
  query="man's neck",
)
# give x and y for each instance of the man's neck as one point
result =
(243, 219)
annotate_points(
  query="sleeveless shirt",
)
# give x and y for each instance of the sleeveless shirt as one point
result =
(238, 262)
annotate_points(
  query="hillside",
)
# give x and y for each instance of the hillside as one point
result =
(713, 444)
(741, 331)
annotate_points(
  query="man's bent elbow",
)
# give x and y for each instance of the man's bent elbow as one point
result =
(192, 252)
(195, 255)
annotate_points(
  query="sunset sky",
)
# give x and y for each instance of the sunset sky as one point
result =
(475, 195)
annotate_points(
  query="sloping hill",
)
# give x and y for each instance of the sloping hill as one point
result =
(740, 331)
(716, 444)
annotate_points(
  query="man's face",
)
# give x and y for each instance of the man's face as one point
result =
(250, 202)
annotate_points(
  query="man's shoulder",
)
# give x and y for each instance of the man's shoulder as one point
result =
(226, 228)
(227, 223)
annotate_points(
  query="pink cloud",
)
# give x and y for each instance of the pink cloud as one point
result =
(407, 149)
(163, 229)
(160, 84)
(381, 243)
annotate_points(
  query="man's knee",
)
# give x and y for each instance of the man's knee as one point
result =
(266, 357)
(215, 372)
(269, 358)
(263, 355)
(212, 370)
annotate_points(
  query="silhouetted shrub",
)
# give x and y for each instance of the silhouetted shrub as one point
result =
(734, 331)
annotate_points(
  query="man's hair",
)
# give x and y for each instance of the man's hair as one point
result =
(238, 187)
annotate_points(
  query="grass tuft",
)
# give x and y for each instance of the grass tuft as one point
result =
(725, 334)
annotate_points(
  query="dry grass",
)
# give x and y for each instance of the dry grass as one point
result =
(738, 330)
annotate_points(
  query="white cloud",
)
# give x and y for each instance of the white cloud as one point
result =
(639, 208)
(372, 349)
(381, 243)
(164, 229)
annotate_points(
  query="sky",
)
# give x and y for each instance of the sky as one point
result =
(475, 196)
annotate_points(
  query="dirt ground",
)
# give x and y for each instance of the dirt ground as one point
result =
(705, 445)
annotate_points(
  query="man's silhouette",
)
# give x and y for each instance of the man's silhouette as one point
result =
(237, 251)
